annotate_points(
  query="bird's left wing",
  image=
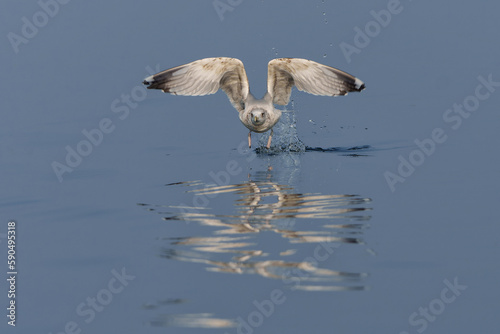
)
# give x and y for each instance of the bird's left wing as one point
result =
(204, 77)
(308, 76)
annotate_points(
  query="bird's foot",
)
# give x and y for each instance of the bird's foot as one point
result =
(269, 140)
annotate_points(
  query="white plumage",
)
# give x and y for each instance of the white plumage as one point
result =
(207, 76)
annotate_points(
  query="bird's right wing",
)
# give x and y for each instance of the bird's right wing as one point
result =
(204, 77)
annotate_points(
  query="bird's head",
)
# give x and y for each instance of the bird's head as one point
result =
(258, 116)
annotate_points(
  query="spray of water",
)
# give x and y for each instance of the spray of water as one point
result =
(285, 138)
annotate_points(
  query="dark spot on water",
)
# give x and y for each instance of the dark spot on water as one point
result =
(355, 155)
(174, 183)
(339, 149)
(275, 150)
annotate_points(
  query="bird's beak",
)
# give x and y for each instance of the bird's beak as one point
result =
(255, 119)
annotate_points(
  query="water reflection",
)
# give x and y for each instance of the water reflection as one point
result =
(308, 230)
(262, 205)
(195, 320)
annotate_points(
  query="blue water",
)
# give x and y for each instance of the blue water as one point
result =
(140, 212)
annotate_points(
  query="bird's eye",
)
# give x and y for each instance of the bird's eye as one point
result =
(262, 114)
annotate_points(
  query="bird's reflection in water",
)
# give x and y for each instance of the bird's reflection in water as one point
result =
(194, 320)
(308, 230)
(263, 205)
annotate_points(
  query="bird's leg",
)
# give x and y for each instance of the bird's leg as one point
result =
(269, 140)
(250, 139)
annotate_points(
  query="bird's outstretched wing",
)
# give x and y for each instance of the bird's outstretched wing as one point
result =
(307, 76)
(204, 77)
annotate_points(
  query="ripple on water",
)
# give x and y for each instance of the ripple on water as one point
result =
(262, 205)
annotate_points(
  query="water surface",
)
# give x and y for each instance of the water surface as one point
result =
(167, 223)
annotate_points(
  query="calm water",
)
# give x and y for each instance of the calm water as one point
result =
(139, 212)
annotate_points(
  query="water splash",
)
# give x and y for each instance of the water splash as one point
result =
(285, 137)
(286, 140)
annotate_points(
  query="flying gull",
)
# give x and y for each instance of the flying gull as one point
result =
(207, 76)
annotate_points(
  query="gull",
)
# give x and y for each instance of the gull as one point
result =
(206, 76)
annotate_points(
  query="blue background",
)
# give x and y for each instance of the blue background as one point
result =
(84, 60)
